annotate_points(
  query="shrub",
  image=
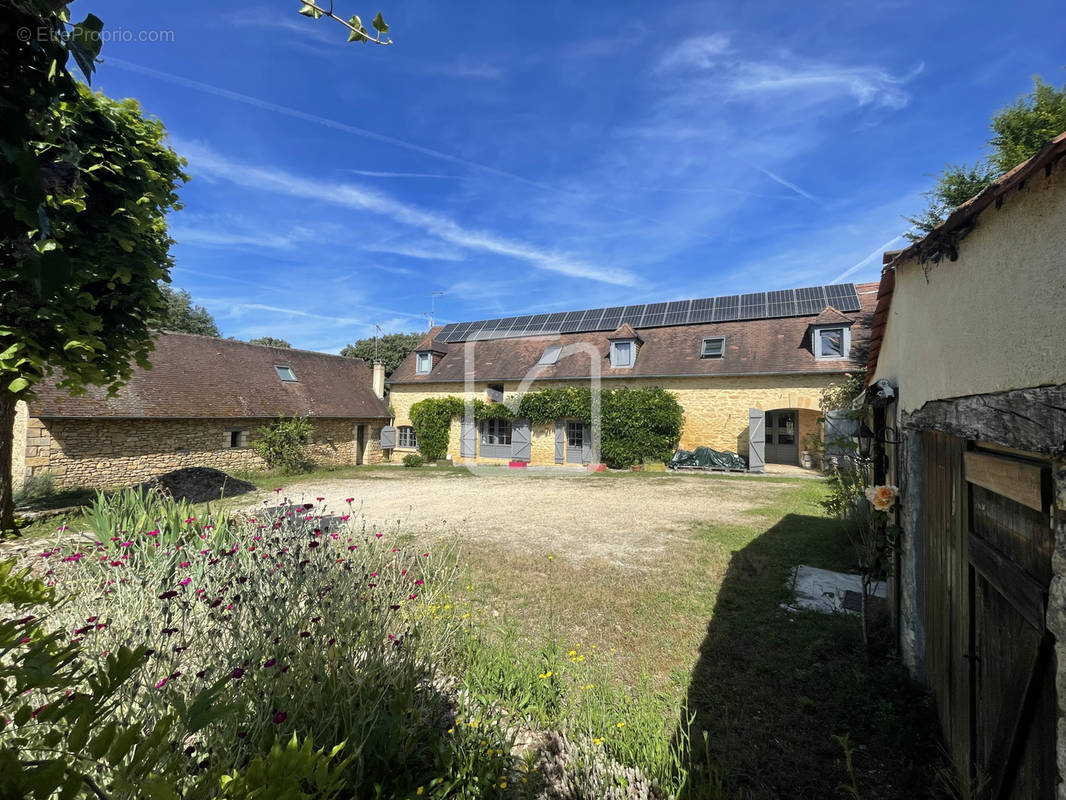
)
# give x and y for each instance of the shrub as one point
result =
(248, 634)
(413, 460)
(280, 444)
(432, 421)
(35, 488)
(638, 425)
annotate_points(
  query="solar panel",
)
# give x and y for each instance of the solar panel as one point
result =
(843, 297)
(725, 308)
(677, 312)
(781, 304)
(612, 317)
(632, 315)
(753, 306)
(810, 301)
(591, 320)
(572, 322)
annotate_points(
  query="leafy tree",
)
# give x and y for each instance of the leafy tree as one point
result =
(179, 314)
(270, 341)
(1020, 129)
(392, 349)
(85, 184)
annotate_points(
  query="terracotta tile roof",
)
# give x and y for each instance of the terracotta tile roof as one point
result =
(625, 332)
(201, 377)
(751, 347)
(830, 316)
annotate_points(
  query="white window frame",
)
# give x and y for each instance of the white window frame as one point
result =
(281, 369)
(845, 342)
(405, 438)
(706, 353)
(550, 355)
(423, 362)
(615, 362)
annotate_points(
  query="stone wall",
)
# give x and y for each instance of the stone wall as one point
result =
(716, 409)
(119, 452)
(18, 452)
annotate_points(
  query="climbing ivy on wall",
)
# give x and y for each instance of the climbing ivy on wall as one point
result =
(637, 424)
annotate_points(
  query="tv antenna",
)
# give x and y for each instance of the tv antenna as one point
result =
(433, 306)
(377, 340)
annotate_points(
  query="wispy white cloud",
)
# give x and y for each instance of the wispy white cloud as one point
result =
(875, 254)
(463, 68)
(753, 73)
(227, 237)
(426, 252)
(371, 174)
(357, 198)
(786, 184)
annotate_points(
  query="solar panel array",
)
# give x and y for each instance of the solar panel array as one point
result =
(759, 305)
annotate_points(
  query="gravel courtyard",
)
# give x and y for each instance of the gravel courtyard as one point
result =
(621, 521)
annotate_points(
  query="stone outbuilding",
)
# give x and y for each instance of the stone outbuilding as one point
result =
(200, 404)
(748, 371)
(968, 386)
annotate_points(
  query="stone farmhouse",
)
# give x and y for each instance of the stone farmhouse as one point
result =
(968, 388)
(200, 405)
(748, 370)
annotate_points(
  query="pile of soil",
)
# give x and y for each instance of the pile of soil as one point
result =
(198, 484)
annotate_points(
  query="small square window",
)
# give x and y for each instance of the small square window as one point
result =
(423, 363)
(495, 392)
(713, 347)
(551, 354)
(238, 437)
(405, 437)
(831, 342)
(622, 354)
(286, 374)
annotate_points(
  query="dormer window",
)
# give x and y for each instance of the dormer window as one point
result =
(713, 347)
(550, 354)
(285, 373)
(832, 342)
(623, 352)
(423, 363)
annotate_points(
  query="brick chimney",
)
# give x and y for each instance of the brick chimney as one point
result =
(379, 379)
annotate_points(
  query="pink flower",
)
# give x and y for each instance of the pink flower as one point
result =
(379, 535)
(320, 499)
(346, 517)
(189, 521)
(280, 717)
(278, 489)
(270, 662)
(127, 544)
(161, 684)
(168, 594)
(349, 499)
(156, 532)
(419, 582)
(237, 673)
(184, 564)
(185, 581)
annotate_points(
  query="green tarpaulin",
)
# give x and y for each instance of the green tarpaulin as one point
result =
(707, 458)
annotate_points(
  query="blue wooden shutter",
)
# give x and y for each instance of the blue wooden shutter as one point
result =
(560, 441)
(468, 438)
(521, 441)
(586, 444)
(756, 440)
(388, 437)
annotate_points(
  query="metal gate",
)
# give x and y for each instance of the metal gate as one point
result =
(989, 656)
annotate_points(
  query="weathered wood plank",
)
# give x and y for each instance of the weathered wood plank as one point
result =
(1027, 419)
(1017, 480)
(1018, 586)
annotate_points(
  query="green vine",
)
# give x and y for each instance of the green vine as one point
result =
(637, 424)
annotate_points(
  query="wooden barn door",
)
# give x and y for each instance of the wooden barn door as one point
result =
(1010, 543)
(988, 657)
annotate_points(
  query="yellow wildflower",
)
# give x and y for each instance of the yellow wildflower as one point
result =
(420, 790)
(620, 725)
(503, 784)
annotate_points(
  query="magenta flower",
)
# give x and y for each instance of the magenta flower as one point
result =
(349, 499)
(320, 499)
(183, 564)
(237, 673)
(161, 684)
(185, 581)
(280, 717)
(156, 532)
(127, 544)
(278, 489)
(419, 582)
(270, 662)
(168, 594)
(189, 521)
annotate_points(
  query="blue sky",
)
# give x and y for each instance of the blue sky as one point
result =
(533, 158)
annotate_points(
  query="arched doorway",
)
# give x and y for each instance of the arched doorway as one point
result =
(782, 436)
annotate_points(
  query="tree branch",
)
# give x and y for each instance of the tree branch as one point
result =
(363, 33)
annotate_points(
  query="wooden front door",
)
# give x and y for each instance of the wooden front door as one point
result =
(988, 656)
(782, 438)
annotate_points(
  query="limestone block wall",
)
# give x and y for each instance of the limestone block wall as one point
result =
(716, 408)
(18, 452)
(108, 453)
